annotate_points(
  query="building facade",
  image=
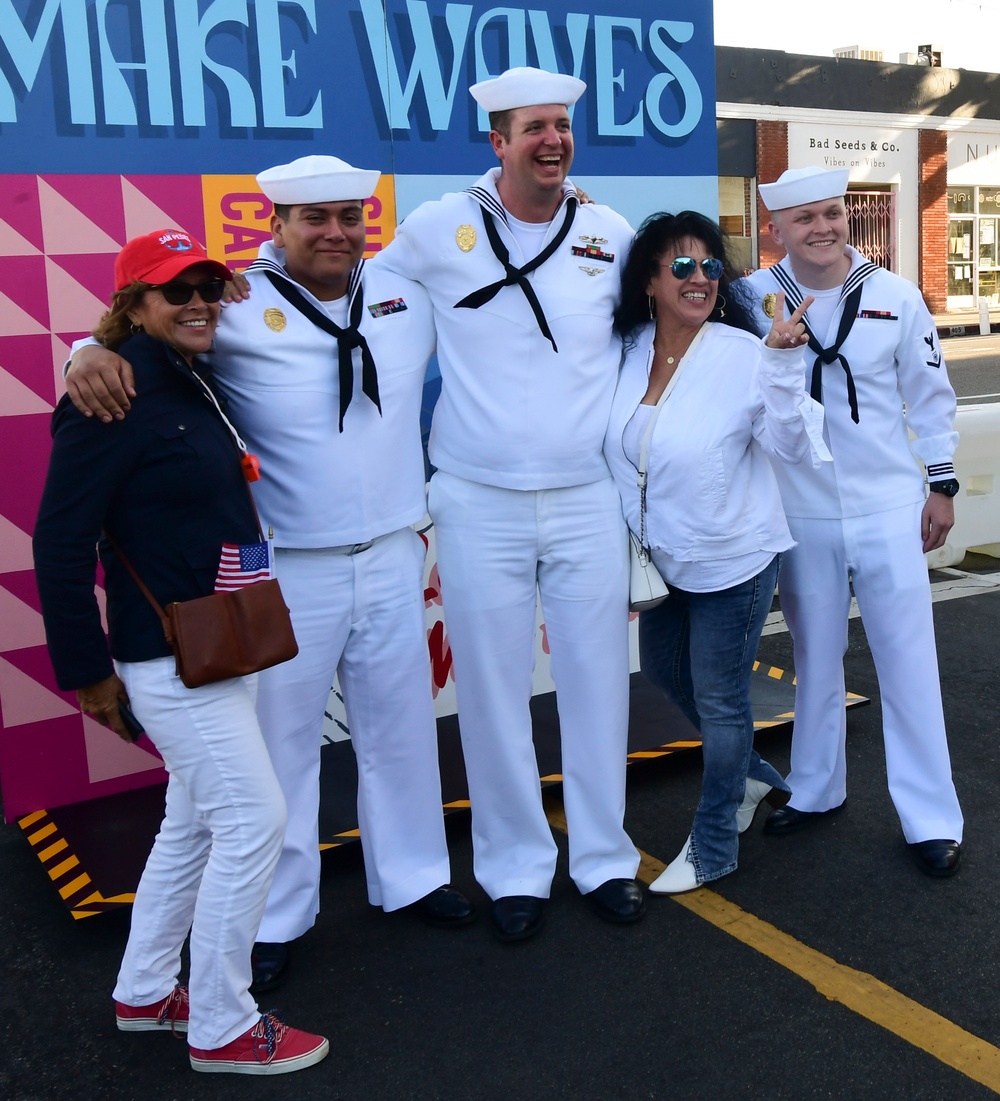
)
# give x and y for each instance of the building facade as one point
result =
(922, 146)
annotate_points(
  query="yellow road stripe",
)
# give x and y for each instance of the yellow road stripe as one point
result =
(856, 990)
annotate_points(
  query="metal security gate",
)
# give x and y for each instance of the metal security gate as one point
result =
(872, 217)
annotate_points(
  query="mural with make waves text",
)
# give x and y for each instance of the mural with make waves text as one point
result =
(118, 117)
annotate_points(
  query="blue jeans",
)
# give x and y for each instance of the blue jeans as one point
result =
(699, 649)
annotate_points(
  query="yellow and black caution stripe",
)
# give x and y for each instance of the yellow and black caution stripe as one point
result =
(74, 885)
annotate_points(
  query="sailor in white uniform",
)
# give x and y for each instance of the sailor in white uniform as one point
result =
(865, 519)
(322, 370)
(523, 282)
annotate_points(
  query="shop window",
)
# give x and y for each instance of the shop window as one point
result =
(960, 200)
(989, 200)
(973, 246)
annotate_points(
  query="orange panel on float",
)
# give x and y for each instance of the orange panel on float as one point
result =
(238, 217)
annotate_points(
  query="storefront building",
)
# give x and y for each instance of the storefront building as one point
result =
(973, 219)
(922, 147)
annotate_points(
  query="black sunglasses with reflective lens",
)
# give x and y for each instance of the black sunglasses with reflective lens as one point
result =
(180, 294)
(684, 267)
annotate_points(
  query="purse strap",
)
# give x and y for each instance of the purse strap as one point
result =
(162, 615)
(648, 434)
(120, 554)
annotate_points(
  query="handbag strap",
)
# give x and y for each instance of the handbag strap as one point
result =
(647, 435)
(120, 554)
(167, 632)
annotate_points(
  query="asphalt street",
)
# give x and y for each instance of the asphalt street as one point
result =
(827, 966)
(974, 367)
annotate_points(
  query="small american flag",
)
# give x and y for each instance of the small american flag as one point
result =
(242, 565)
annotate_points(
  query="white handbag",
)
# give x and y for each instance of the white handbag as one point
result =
(647, 588)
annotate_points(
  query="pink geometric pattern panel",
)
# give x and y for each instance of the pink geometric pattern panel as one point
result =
(59, 235)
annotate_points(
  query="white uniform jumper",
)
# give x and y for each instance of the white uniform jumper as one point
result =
(857, 520)
(358, 610)
(523, 505)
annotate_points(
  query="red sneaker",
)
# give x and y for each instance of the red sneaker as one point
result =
(270, 1047)
(170, 1015)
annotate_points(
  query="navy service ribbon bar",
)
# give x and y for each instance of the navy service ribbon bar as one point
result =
(592, 252)
(381, 309)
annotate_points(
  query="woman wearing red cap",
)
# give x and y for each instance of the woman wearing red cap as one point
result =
(165, 488)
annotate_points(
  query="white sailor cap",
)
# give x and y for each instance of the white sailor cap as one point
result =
(316, 179)
(799, 186)
(526, 87)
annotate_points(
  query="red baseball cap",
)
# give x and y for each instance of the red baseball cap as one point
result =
(160, 256)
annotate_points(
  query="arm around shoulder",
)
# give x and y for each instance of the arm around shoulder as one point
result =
(99, 382)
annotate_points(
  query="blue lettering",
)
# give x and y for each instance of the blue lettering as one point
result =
(119, 107)
(26, 52)
(273, 65)
(192, 37)
(517, 46)
(425, 65)
(608, 79)
(690, 93)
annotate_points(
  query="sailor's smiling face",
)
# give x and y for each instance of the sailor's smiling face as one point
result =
(814, 236)
(323, 244)
(537, 154)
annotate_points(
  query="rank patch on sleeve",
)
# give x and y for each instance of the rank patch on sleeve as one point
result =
(380, 309)
(878, 315)
(593, 252)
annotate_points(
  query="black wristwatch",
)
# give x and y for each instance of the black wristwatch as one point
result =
(949, 487)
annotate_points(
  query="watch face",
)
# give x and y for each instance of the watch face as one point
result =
(949, 487)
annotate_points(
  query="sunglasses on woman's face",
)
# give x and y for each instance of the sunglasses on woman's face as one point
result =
(180, 294)
(684, 267)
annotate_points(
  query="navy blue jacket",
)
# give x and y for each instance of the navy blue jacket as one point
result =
(167, 483)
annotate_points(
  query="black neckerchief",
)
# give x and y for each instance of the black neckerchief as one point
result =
(519, 275)
(347, 340)
(850, 299)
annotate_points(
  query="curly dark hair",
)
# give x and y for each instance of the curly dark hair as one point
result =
(115, 328)
(656, 235)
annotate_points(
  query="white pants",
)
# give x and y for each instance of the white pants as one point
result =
(497, 550)
(361, 617)
(881, 554)
(212, 862)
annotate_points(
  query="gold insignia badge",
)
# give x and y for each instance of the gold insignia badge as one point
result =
(465, 238)
(769, 303)
(274, 319)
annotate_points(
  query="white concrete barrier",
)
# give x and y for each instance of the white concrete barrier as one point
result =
(977, 467)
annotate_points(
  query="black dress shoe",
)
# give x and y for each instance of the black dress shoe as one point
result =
(517, 917)
(269, 963)
(939, 856)
(788, 819)
(619, 901)
(444, 908)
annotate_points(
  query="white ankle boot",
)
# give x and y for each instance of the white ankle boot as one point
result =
(678, 876)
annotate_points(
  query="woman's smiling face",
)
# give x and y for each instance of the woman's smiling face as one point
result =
(687, 302)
